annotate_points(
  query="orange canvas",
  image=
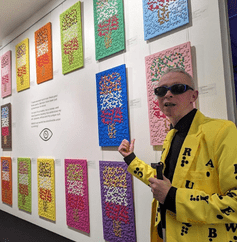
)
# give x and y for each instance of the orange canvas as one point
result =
(6, 163)
(43, 54)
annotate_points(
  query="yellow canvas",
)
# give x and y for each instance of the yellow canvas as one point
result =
(46, 188)
(22, 65)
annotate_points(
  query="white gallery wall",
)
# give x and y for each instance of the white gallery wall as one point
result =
(75, 134)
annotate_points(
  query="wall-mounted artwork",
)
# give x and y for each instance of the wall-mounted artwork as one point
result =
(6, 76)
(112, 106)
(43, 54)
(176, 57)
(6, 165)
(117, 202)
(46, 188)
(6, 126)
(161, 16)
(22, 65)
(109, 27)
(24, 184)
(71, 38)
(77, 203)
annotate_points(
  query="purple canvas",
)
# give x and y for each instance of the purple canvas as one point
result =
(117, 202)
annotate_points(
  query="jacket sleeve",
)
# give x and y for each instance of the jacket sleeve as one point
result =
(197, 206)
(141, 170)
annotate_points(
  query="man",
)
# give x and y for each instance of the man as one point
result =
(198, 194)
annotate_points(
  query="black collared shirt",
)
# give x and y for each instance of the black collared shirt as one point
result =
(183, 127)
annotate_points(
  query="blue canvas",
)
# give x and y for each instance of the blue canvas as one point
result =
(161, 16)
(112, 106)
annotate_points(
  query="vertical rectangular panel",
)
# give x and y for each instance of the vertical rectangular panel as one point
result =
(71, 38)
(176, 57)
(22, 65)
(117, 202)
(46, 188)
(77, 201)
(109, 27)
(6, 126)
(6, 164)
(6, 75)
(24, 184)
(112, 106)
(43, 54)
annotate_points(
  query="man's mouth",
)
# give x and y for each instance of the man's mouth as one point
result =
(169, 104)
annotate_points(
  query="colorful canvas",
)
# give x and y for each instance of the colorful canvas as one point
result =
(161, 16)
(6, 163)
(46, 189)
(77, 203)
(6, 125)
(43, 54)
(112, 106)
(178, 56)
(71, 38)
(117, 202)
(6, 77)
(24, 184)
(109, 27)
(22, 65)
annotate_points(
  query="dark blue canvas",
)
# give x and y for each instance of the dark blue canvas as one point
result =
(112, 106)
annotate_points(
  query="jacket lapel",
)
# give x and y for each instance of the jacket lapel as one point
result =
(167, 144)
(188, 150)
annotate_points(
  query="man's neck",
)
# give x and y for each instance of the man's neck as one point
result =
(174, 121)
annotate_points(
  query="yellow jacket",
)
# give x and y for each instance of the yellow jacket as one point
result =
(206, 178)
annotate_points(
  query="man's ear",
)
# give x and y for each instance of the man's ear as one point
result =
(195, 95)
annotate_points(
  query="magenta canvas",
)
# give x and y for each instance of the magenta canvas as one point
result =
(77, 202)
(175, 57)
(6, 79)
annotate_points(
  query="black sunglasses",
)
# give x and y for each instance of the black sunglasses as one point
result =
(174, 89)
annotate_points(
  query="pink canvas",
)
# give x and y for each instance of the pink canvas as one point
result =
(176, 57)
(6, 80)
(77, 202)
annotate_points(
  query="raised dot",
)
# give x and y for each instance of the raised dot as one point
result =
(219, 217)
(208, 174)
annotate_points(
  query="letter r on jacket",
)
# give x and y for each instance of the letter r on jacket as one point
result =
(187, 152)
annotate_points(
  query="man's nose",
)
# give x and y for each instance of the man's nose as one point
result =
(169, 93)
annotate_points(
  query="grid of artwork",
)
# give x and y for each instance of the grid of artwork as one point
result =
(161, 16)
(176, 57)
(6, 126)
(112, 106)
(77, 202)
(6, 76)
(6, 165)
(71, 38)
(117, 202)
(43, 53)
(109, 27)
(24, 184)
(22, 65)
(46, 188)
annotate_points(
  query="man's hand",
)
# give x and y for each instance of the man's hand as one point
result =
(160, 188)
(126, 148)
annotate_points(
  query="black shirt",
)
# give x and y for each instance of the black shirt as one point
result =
(183, 127)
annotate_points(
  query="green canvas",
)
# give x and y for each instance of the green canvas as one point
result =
(71, 39)
(109, 27)
(24, 184)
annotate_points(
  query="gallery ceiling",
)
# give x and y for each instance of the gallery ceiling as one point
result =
(15, 12)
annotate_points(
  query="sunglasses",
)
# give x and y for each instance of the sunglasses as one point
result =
(174, 89)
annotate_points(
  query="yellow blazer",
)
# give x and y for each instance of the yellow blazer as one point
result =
(206, 178)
